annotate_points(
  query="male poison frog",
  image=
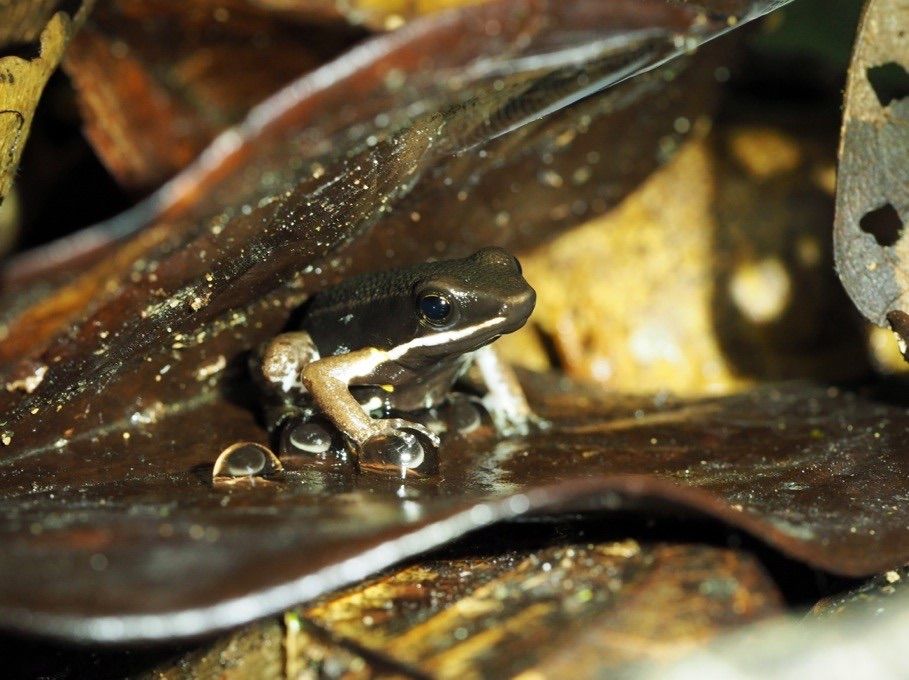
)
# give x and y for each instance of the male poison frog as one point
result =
(396, 341)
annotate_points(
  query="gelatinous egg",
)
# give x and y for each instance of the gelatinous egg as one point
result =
(245, 462)
(308, 438)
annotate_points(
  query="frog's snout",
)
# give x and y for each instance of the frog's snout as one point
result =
(518, 306)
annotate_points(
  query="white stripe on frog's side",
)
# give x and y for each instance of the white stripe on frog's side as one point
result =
(443, 338)
(363, 362)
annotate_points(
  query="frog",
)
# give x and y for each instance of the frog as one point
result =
(397, 342)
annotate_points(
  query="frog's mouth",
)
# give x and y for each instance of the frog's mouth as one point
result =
(483, 343)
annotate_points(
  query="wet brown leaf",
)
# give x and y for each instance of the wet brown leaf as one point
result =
(98, 519)
(158, 80)
(873, 192)
(391, 14)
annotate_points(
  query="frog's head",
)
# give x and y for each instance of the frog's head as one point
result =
(424, 313)
(461, 305)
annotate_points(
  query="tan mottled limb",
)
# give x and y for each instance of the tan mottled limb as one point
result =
(328, 381)
(505, 399)
(283, 359)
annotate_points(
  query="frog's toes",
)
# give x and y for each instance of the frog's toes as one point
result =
(397, 425)
(280, 417)
(518, 424)
(428, 418)
(398, 446)
(395, 452)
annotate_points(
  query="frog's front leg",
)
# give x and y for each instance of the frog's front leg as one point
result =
(328, 382)
(505, 399)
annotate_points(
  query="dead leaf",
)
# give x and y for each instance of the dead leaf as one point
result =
(362, 164)
(377, 14)
(873, 188)
(589, 609)
(156, 81)
(586, 609)
(23, 77)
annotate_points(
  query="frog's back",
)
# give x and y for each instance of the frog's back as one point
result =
(366, 289)
(370, 310)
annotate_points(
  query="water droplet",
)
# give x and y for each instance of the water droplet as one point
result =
(248, 460)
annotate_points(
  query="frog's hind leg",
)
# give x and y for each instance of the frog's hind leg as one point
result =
(289, 412)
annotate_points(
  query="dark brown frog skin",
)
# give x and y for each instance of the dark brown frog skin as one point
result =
(397, 341)
(488, 297)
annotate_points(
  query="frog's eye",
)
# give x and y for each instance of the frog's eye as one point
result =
(435, 308)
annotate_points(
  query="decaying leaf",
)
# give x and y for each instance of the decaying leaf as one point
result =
(377, 14)
(125, 370)
(22, 22)
(580, 609)
(158, 80)
(873, 192)
(27, 59)
(551, 612)
(715, 273)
